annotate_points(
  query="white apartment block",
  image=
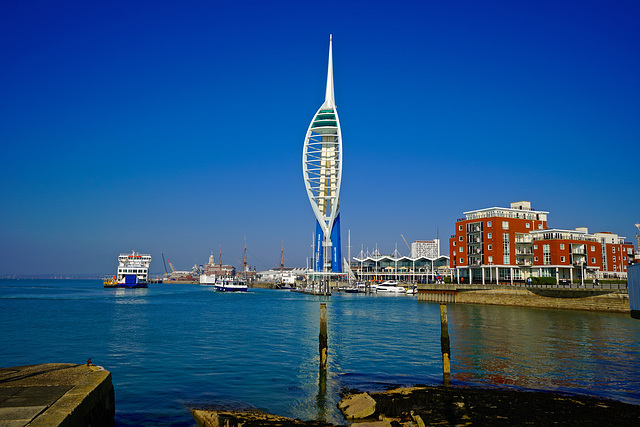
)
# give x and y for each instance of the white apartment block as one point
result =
(425, 248)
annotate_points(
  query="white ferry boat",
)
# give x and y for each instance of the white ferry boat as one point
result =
(133, 271)
(230, 284)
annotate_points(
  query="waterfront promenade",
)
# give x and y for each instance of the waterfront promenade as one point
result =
(589, 297)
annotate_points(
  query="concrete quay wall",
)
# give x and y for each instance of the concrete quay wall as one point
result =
(56, 394)
(565, 299)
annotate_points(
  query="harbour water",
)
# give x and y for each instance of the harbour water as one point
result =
(174, 347)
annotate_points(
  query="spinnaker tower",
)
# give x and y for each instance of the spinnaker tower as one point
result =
(322, 170)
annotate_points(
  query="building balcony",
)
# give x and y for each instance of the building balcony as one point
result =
(524, 252)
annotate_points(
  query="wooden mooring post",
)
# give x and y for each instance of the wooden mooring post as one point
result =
(322, 345)
(444, 344)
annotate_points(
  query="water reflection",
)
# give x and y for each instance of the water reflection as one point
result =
(545, 349)
(321, 398)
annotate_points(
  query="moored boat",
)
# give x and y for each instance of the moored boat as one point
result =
(390, 286)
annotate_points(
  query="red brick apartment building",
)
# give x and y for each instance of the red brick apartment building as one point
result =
(512, 244)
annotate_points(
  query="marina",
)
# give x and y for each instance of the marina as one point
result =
(171, 347)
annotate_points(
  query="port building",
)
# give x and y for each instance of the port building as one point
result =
(218, 270)
(514, 244)
(424, 265)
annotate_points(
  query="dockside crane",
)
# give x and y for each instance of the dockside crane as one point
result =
(405, 242)
(166, 273)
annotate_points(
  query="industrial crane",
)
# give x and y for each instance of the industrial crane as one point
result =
(171, 265)
(405, 242)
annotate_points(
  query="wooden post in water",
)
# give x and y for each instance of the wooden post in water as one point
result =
(323, 337)
(444, 344)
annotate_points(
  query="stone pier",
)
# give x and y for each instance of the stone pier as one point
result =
(56, 394)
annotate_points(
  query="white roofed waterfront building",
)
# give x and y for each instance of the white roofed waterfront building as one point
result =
(374, 267)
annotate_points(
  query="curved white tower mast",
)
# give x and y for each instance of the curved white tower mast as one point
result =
(322, 164)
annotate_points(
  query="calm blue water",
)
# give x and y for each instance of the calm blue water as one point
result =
(173, 347)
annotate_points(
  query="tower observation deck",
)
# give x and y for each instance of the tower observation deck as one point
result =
(322, 170)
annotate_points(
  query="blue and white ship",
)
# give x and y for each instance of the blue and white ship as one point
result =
(133, 271)
(231, 284)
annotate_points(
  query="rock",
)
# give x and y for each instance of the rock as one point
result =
(372, 424)
(357, 406)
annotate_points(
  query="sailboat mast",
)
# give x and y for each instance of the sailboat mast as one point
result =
(281, 259)
(244, 261)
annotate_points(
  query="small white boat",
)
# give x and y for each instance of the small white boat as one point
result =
(390, 286)
(230, 284)
(412, 290)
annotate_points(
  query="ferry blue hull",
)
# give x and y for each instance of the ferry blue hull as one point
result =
(224, 289)
(137, 285)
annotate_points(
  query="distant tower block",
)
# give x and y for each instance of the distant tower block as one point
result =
(322, 169)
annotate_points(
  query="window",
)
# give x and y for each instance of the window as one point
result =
(546, 254)
(593, 248)
(461, 238)
(490, 259)
(562, 246)
(489, 247)
(535, 246)
(536, 258)
(454, 243)
(539, 226)
(593, 260)
(489, 224)
(505, 225)
(614, 259)
(461, 260)
(561, 259)
(613, 250)
(460, 228)
(461, 249)
(528, 225)
(505, 248)
(489, 235)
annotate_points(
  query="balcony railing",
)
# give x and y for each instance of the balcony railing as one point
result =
(524, 252)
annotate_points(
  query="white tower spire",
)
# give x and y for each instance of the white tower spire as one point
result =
(329, 99)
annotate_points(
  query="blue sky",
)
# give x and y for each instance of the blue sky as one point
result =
(177, 128)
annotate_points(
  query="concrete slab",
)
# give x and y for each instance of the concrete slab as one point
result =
(56, 394)
(20, 414)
